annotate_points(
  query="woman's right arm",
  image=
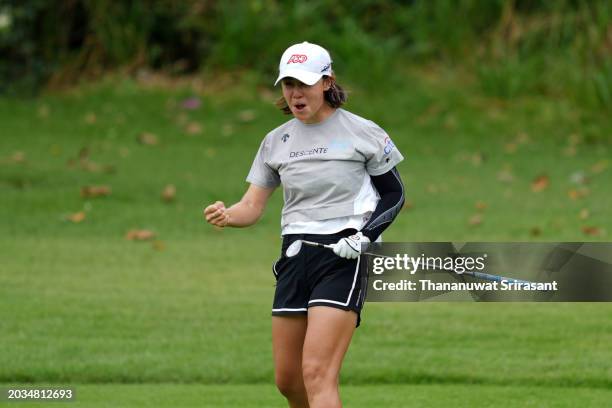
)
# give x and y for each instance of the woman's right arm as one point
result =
(242, 214)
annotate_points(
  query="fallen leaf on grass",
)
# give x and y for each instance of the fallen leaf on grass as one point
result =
(247, 115)
(578, 194)
(267, 95)
(535, 232)
(540, 183)
(90, 118)
(475, 219)
(591, 230)
(574, 139)
(494, 112)
(86, 164)
(477, 159)
(18, 157)
(522, 138)
(94, 167)
(124, 152)
(480, 205)
(139, 235)
(584, 214)
(510, 148)
(505, 176)
(76, 217)
(450, 122)
(193, 128)
(408, 205)
(159, 245)
(84, 153)
(599, 167)
(569, 151)
(431, 112)
(148, 139)
(169, 193)
(95, 191)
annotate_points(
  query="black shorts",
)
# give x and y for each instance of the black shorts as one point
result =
(317, 277)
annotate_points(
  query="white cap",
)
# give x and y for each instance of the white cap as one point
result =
(305, 62)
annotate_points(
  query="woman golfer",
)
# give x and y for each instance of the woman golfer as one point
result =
(340, 187)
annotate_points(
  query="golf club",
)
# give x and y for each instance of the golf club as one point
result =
(493, 278)
(296, 247)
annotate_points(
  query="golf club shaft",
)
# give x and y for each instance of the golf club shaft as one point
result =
(494, 278)
(318, 245)
(331, 246)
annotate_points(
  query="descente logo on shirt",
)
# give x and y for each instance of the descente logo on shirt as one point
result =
(316, 150)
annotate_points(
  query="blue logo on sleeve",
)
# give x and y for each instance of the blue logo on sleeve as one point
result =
(388, 145)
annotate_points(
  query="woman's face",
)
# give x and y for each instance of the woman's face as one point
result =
(307, 102)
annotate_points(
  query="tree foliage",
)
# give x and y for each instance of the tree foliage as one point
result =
(508, 43)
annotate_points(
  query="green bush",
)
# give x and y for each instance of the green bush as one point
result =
(514, 47)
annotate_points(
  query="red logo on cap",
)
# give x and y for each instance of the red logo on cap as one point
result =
(297, 59)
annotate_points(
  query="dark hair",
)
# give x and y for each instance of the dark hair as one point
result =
(335, 96)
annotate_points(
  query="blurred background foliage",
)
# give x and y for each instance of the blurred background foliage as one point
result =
(510, 47)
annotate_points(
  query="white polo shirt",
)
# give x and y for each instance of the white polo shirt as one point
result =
(324, 169)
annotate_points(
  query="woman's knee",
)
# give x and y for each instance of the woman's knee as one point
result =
(289, 383)
(316, 374)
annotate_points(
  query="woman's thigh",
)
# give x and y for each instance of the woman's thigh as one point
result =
(288, 333)
(328, 337)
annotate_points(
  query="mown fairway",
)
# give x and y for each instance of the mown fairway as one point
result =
(183, 319)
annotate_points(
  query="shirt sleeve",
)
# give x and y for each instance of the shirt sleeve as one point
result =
(261, 174)
(391, 190)
(378, 148)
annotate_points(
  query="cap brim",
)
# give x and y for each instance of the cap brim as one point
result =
(306, 77)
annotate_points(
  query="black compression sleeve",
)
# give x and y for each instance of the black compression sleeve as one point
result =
(391, 191)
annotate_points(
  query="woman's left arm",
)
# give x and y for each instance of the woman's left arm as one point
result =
(391, 190)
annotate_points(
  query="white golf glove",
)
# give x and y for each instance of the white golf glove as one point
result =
(350, 247)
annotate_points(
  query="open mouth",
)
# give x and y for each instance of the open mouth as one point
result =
(299, 106)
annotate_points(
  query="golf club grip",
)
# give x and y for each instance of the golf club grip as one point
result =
(494, 278)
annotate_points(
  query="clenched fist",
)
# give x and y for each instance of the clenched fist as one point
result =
(217, 215)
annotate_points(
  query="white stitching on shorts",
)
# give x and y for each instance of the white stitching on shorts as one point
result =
(350, 293)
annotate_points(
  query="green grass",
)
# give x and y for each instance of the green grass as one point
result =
(187, 318)
(162, 317)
